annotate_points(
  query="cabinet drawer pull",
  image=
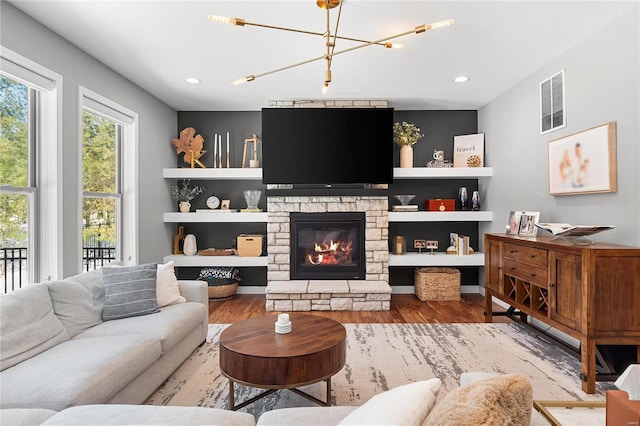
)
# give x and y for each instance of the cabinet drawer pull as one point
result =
(514, 251)
(513, 268)
(532, 256)
(533, 274)
(552, 284)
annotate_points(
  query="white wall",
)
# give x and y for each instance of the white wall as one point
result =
(601, 85)
(157, 126)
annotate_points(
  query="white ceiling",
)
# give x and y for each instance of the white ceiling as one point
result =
(157, 44)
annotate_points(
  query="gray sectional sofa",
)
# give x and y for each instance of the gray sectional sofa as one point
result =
(58, 352)
(78, 352)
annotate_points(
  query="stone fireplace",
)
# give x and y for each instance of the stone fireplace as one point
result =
(370, 290)
(338, 286)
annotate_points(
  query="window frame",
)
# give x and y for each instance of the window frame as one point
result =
(126, 175)
(45, 127)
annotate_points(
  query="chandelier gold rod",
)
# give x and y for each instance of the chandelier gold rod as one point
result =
(295, 30)
(335, 33)
(417, 30)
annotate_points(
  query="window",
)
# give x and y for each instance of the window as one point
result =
(101, 140)
(17, 177)
(30, 135)
(552, 115)
(108, 179)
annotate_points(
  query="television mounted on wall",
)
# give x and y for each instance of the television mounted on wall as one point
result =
(327, 146)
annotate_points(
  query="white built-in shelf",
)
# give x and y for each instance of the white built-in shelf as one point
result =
(454, 216)
(436, 259)
(442, 172)
(197, 260)
(214, 216)
(236, 173)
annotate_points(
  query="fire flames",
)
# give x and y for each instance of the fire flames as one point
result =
(332, 253)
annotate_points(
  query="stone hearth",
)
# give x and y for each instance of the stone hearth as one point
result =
(372, 293)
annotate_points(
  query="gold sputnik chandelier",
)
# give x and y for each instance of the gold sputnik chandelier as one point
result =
(330, 39)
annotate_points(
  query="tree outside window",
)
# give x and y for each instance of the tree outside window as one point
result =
(101, 192)
(18, 188)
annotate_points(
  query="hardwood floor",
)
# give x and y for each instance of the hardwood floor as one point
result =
(405, 308)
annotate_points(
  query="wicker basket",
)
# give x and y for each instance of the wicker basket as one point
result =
(222, 292)
(441, 284)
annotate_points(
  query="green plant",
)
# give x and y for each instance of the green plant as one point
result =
(406, 133)
(183, 192)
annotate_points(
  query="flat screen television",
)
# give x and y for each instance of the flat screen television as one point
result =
(327, 146)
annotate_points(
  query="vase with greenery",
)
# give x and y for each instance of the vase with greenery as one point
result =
(406, 135)
(184, 193)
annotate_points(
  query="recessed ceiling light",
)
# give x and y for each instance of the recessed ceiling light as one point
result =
(192, 80)
(461, 79)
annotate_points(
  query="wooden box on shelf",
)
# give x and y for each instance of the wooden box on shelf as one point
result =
(249, 245)
(441, 205)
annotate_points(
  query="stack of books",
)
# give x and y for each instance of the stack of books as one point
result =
(407, 208)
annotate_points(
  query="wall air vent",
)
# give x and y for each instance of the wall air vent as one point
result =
(552, 112)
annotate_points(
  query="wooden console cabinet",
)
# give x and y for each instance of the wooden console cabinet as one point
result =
(590, 292)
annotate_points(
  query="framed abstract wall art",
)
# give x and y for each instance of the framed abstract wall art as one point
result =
(584, 162)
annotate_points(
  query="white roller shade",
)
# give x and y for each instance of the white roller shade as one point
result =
(25, 71)
(97, 105)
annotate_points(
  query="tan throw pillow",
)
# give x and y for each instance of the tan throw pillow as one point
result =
(497, 401)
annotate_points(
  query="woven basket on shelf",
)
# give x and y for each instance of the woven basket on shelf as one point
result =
(222, 292)
(441, 284)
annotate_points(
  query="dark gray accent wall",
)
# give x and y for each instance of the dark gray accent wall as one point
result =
(439, 128)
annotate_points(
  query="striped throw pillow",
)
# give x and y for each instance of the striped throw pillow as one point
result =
(129, 291)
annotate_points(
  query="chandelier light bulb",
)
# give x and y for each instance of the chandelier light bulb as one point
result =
(440, 24)
(325, 88)
(461, 79)
(243, 80)
(226, 20)
(192, 80)
(389, 45)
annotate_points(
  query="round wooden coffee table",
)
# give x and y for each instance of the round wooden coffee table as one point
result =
(253, 354)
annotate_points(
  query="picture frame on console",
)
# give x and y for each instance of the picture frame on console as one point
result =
(522, 223)
(584, 162)
(527, 224)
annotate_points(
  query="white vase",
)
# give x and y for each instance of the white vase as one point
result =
(185, 206)
(190, 246)
(406, 156)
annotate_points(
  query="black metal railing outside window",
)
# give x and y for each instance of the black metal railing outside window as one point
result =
(13, 263)
(13, 268)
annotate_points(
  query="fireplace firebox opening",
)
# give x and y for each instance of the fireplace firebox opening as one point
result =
(326, 246)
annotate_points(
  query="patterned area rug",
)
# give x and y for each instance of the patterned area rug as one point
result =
(382, 356)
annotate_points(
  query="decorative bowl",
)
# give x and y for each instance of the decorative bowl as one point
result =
(405, 199)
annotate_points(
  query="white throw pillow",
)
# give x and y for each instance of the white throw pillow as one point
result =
(167, 290)
(404, 405)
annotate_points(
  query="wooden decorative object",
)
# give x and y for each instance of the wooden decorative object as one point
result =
(191, 145)
(179, 238)
(217, 252)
